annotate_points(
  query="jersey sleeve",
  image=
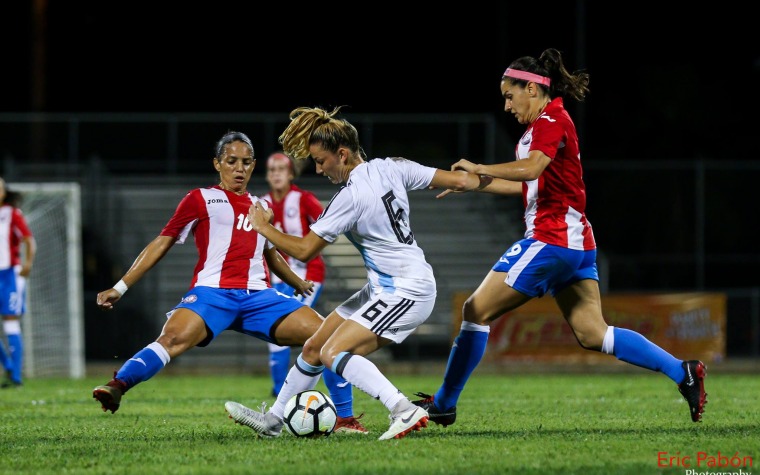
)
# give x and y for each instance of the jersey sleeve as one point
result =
(21, 228)
(548, 136)
(337, 218)
(311, 206)
(185, 217)
(416, 176)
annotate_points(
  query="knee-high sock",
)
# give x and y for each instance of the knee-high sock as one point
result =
(279, 363)
(4, 358)
(302, 376)
(341, 393)
(144, 365)
(634, 348)
(363, 374)
(15, 348)
(466, 352)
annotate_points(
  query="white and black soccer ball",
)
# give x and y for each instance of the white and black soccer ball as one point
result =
(310, 413)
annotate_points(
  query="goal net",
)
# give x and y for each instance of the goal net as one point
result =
(53, 326)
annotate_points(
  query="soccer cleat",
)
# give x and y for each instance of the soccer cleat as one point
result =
(405, 422)
(263, 423)
(8, 381)
(692, 388)
(350, 425)
(444, 418)
(109, 395)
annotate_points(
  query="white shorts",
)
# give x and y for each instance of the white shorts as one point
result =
(387, 315)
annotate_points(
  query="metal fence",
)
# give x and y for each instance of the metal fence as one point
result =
(661, 225)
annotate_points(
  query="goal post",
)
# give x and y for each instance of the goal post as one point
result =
(53, 326)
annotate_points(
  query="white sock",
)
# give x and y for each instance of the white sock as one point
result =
(159, 350)
(608, 344)
(363, 374)
(302, 376)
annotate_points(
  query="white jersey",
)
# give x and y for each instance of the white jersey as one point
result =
(372, 210)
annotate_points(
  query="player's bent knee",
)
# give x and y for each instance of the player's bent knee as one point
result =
(311, 351)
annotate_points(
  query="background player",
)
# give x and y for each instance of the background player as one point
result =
(14, 234)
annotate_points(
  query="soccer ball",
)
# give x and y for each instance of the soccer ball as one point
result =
(310, 414)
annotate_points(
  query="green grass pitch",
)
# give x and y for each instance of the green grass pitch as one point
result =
(634, 423)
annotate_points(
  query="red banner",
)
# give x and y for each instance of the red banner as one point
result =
(686, 325)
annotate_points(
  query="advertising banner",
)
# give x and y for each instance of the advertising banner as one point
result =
(687, 325)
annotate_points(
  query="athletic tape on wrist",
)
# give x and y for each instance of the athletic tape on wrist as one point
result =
(121, 287)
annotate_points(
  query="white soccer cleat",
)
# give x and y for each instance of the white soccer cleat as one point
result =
(414, 418)
(263, 423)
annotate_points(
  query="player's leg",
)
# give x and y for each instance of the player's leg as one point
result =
(12, 328)
(519, 275)
(279, 363)
(381, 320)
(303, 327)
(5, 361)
(279, 356)
(290, 323)
(580, 303)
(182, 331)
(341, 391)
(491, 299)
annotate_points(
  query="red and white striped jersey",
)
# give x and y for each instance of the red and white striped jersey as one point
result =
(293, 215)
(13, 228)
(555, 203)
(230, 252)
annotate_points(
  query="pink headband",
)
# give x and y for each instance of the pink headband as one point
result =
(526, 76)
(275, 157)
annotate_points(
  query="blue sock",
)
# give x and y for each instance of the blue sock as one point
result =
(4, 359)
(340, 393)
(279, 365)
(16, 347)
(635, 349)
(467, 351)
(144, 365)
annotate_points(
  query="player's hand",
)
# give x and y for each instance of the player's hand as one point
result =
(107, 298)
(259, 217)
(446, 192)
(465, 165)
(305, 289)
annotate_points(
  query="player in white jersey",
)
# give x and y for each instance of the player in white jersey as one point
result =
(372, 211)
(229, 289)
(558, 252)
(294, 210)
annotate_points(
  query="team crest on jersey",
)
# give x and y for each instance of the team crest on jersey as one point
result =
(291, 212)
(190, 298)
(525, 140)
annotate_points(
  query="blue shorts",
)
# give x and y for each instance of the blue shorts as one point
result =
(252, 312)
(534, 267)
(309, 300)
(12, 292)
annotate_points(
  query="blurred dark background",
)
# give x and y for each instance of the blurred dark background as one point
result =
(667, 132)
(668, 79)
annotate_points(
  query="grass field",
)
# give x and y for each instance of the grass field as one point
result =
(521, 424)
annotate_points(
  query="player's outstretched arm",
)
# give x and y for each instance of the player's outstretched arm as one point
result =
(302, 248)
(145, 261)
(281, 269)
